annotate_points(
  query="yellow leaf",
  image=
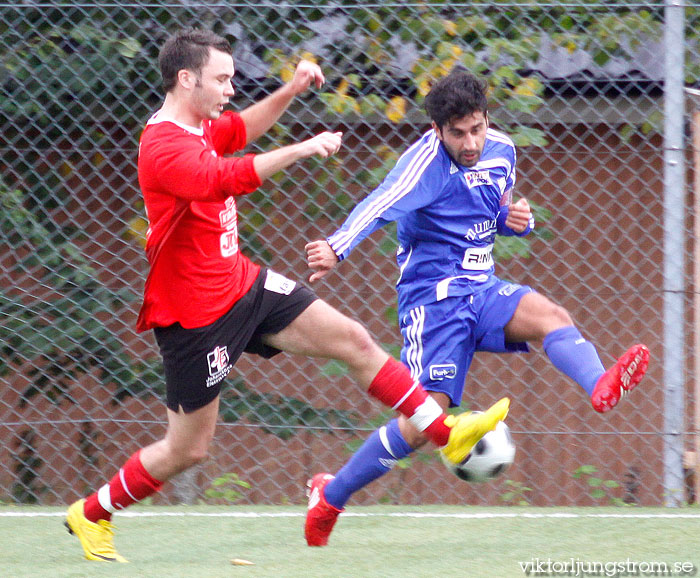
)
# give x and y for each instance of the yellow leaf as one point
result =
(342, 104)
(396, 109)
(310, 56)
(450, 27)
(527, 87)
(374, 23)
(138, 226)
(287, 72)
(343, 87)
(523, 90)
(66, 169)
(445, 67)
(424, 87)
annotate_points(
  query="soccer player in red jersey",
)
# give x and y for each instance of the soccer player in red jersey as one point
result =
(207, 303)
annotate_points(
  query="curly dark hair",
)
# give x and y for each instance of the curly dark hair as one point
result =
(188, 49)
(457, 95)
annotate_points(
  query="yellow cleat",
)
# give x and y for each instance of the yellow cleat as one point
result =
(469, 427)
(96, 538)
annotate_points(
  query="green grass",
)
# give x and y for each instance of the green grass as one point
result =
(376, 543)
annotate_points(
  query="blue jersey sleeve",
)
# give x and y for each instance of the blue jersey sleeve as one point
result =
(507, 198)
(413, 183)
(504, 230)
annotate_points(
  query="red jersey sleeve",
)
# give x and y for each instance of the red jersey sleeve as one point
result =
(178, 163)
(228, 133)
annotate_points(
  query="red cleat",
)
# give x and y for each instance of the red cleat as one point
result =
(621, 378)
(321, 516)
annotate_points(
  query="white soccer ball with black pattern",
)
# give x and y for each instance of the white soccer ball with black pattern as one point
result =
(490, 457)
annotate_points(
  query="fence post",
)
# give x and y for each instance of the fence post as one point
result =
(674, 252)
(691, 460)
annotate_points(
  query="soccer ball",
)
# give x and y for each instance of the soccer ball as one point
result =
(489, 458)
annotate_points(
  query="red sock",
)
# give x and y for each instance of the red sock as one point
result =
(395, 387)
(130, 485)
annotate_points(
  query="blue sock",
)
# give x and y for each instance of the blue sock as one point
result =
(573, 355)
(374, 459)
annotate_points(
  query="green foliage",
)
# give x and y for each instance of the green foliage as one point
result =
(516, 494)
(369, 426)
(393, 349)
(506, 248)
(227, 488)
(370, 178)
(253, 213)
(68, 60)
(72, 68)
(364, 76)
(335, 368)
(400, 467)
(328, 193)
(598, 487)
(61, 329)
(391, 314)
(27, 465)
(280, 415)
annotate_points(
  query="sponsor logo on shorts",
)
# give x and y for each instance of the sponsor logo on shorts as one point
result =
(508, 289)
(278, 283)
(219, 366)
(443, 371)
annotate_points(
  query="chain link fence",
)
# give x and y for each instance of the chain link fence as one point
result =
(580, 87)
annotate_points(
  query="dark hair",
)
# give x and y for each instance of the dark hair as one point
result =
(457, 95)
(188, 49)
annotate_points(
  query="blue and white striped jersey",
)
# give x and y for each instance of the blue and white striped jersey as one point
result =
(447, 218)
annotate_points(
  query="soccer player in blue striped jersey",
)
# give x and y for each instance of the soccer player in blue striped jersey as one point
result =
(451, 194)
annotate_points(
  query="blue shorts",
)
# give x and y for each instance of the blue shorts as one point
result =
(440, 338)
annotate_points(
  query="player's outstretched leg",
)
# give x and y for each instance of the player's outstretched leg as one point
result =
(321, 516)
(370, 462)
(466, 429)
(621, 378)
(97, 539)
(379, 453)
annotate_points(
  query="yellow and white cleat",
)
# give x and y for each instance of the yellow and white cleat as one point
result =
(469, 427)
(97, 539)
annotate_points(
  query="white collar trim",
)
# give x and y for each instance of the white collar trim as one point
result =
(157, 118)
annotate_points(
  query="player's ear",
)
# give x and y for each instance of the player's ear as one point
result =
(436, 128)
(186, 78)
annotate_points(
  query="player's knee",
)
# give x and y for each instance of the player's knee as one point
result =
(198, 455)
(416, 439)
(360, 344)
(559, 316)
(194, 456)
(186, 457)
(548, 314)
(411, 435)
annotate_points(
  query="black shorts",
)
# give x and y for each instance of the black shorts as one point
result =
(197, 360)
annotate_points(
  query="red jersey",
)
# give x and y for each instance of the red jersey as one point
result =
(196, 270)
